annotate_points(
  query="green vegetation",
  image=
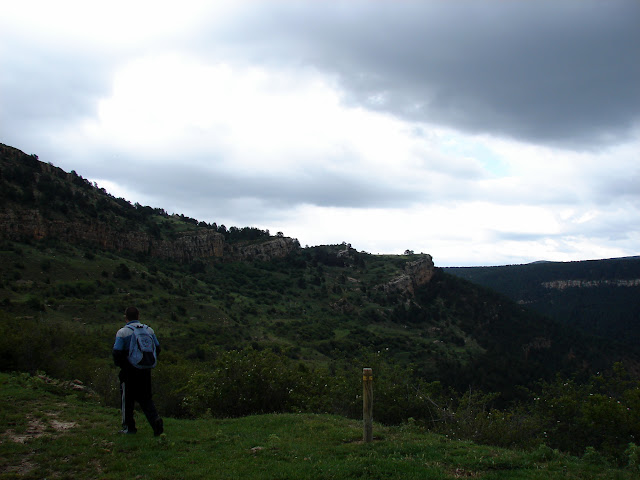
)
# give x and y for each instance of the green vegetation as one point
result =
(50, 430)
(600, 413)
(288, 336)
(314, 306)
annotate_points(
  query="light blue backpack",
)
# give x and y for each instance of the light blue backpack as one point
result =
(142, 347)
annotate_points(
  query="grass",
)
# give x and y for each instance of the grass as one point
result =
(48, 430)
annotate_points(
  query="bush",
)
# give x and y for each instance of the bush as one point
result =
(122, 272)
(35, 303)
(250, 381)
(30, 345)
(602, 414)
(633, 455)
(594, 457)
(77, 289)
(544, 453)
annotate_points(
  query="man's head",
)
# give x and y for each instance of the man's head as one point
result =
(131, 313)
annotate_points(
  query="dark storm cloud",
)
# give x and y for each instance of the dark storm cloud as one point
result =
(562, 73)
(43, 89)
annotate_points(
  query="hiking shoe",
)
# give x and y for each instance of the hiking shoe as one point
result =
(126, 431)
(158, 427)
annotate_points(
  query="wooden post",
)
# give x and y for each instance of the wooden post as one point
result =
(367, 403)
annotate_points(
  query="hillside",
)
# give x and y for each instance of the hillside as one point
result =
(74, 257)
(41, 201)
(598, 296)
(49, 430)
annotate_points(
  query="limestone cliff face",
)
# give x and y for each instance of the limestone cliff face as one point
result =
(26, 223)
(415, 274)
(276, 248)
(564, 284)
(186, 247)
(191, 246)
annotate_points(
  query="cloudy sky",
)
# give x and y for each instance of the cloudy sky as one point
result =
(481, 132)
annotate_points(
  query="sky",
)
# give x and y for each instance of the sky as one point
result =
(482, 132)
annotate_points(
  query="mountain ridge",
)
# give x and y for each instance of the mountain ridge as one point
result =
(49, 190)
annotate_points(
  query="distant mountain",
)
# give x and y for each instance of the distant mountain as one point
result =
(73, 257)
(598, 296)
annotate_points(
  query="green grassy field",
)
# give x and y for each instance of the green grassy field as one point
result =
(50, 430)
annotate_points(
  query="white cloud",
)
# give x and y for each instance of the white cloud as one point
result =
(265, 121)
(467, 233)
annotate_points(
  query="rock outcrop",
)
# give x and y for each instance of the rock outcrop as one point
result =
(186, 247)
(564, 284)
(85, 214)
(191, 246)
(415, 274)
(275, 248)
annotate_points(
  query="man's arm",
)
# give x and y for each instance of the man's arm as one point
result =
(119, 352)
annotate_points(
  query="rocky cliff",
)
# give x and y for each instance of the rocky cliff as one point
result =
(38, 200)
(186, 247)
(564, 284)
(415, 274)
(275, 248)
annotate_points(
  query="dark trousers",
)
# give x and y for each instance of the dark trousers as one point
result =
(135, 386)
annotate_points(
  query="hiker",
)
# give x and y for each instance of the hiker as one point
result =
(135, 352)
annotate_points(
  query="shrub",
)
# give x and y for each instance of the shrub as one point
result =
(122, 272)
(594, 457)
(35, 303)
(602, 414)
(633, 454)
(29, 345)
(544, 453)
(78, 289)
(250, 381)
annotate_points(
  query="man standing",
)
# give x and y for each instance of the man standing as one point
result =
(135, 380)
